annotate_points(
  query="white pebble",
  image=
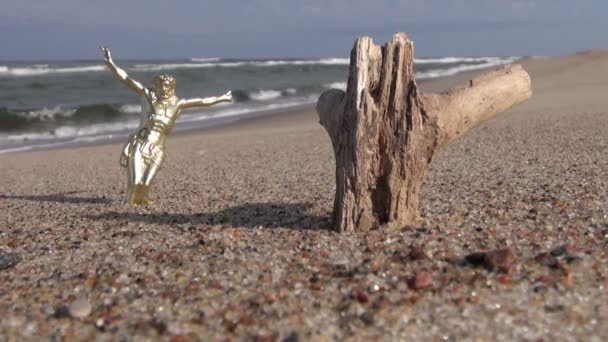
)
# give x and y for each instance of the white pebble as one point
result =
(80, 308)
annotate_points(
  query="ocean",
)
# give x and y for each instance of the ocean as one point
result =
(52, 104)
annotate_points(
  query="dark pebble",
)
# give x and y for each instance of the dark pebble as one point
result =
(408, 228)
(554, 308)
(160, 326)
(367, 318)
(62, 312)
(561, 250)
(501, 259)
(315, 278)
(362, 297)
(8, 260)
(570, 259)
(418, 253)
(496, 260)
(293, 337)
(546, 259)
(422, 230)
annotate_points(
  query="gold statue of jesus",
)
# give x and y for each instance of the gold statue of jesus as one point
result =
(143, 153)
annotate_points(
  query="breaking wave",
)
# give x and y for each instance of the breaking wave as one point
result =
(434, 73)
(205, 60)
(460, 60)
(265, 95)
(12, 120)
(43, 69)
(217, 63)
(335, 85)
(71, 133)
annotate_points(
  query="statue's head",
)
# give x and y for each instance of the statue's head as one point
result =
(164, 86)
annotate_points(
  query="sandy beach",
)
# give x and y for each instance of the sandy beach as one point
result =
(237, 246)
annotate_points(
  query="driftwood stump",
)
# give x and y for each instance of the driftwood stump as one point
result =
(385, 132)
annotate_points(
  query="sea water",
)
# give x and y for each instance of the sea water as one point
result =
(47, 104)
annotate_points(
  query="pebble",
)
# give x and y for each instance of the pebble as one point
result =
(362, 297)
(546, 259)
(8, 260)
(418, 253)
(422, 279)
(181, 338)
(497, 260)
(506, 280)
(80, 308)
(266, 338)
(293, 337)
(561, 250)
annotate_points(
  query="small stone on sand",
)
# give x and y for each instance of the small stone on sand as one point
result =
(80, 308)
(8, 260)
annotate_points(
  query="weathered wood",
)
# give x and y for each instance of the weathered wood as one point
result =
(385, 133)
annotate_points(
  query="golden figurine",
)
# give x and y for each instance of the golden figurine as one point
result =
(143, 153)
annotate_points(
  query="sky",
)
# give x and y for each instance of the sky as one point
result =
(134, 29)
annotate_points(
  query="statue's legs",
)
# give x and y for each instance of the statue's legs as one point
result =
(141, 170)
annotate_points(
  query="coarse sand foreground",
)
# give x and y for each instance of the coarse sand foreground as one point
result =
(512, 246)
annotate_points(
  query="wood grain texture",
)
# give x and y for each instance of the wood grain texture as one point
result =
(385, 132)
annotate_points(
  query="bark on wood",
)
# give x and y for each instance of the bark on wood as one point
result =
(385, 133)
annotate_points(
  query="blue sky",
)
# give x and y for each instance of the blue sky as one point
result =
(71, 29)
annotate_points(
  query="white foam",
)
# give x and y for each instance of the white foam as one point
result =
(214, 64)
(29, 136)
(69, 131)
(56, 143)
(130, 108)
(434, 73)
(43, 69)
(16, 149)
(455, 60)
(204, 60)
(47, 114)
(335, 85)
(105, 128)
(235, 111)
(342, 61)
(170, 66)
(327, 61)
(291, 91)
(265, 95)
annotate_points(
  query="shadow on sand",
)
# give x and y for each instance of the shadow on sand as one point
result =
(60, 198)
(253, 215)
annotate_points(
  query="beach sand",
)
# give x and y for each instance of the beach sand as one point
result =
(236, 244)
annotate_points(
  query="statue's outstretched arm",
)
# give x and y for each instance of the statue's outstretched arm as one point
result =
(205, 102)
(120, 73)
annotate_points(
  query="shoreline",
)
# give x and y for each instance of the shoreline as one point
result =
(204, 125)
